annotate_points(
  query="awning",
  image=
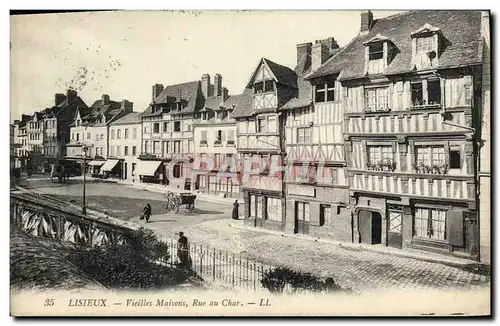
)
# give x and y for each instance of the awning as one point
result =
(147, 168)
(96, 163)
(109, 165)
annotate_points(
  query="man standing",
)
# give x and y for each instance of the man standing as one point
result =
(183, 250)
(235, 214)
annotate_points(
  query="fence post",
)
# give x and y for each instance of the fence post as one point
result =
(233, 265)
(213, 267)
(201, 260)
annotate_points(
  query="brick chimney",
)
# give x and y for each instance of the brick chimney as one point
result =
(205, 85)
(157, 89)
(105, 99)
(217, 85)
(71, 94)
(366, 21)
(319, 54)
(127, 106)
(304, 50)
(59, 98)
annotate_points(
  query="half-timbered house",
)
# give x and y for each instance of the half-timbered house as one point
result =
(316, 180)
(261, 145)
(411, 96)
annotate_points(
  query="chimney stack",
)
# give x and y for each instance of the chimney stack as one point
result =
(157, 89)
(304, 51)
(127, 106)
(319, 54)
(71, 94)
(366, 21)
(205, 85)
(105, 99)
(59, 98)
(217, 85)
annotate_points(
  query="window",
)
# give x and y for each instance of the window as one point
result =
(376, 51)
(430, 156)
(134, 133)
(302, 211)
(126, 133)
(395, 220)
(125, 151)
(218, 136)
(203, 140)
(112, 150)
(177, 146)
(230, 137)
(133, 167)
(325, 216)
(118, 151)
(273, 209)
(156, 128)
(156, 147)
(455, 158)
(134, 151)
(255, 206)
(165, 126)
(177, 172)
(377, 98)
(378, 153)
(102, 136)
(88, 135)
(434, 92)
(262, 124)
(417, 94)
(303, 135)
(258, 87)
(425, 44)
(430, 223)
(268, 86)
(177, 126)
(96, 136)
(112, 134)
(146, 146)
(77, 137)
(376, 58)
(119, 134)
(325, 92)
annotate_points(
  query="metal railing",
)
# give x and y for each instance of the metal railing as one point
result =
(219, 267)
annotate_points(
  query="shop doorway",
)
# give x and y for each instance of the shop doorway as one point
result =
(370, 227)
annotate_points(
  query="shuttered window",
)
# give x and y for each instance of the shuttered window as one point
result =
(430, 223)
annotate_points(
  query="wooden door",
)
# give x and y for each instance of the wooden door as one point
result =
(395, 223)
(302, 218)
(376, 221)
(365, 226)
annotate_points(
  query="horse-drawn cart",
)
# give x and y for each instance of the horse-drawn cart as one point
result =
(174, 201)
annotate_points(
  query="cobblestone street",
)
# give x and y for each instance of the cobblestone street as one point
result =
(355, 268)
(351, 266)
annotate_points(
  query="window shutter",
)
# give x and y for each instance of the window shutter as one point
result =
(455, 228)
(406, 95)
(223, 135)
(361, 97)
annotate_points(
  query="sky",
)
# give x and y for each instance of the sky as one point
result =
(124, 53)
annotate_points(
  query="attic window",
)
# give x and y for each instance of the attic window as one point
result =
(325, 92)
(376, 51)
(425, 44)
(264, 86)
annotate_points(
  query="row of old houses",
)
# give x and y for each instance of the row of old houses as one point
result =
(380, 140)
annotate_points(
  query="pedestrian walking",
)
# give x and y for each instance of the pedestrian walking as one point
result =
(235, 214)
(183, 251)
(146, 212)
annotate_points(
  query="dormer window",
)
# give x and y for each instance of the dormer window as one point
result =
(425, 47)
(378, 54)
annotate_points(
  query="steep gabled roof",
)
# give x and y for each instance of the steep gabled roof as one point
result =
(283, 74)
(461, 41)
(304, 95)
(186, 92)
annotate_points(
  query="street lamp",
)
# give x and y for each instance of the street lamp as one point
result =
(84, 154)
